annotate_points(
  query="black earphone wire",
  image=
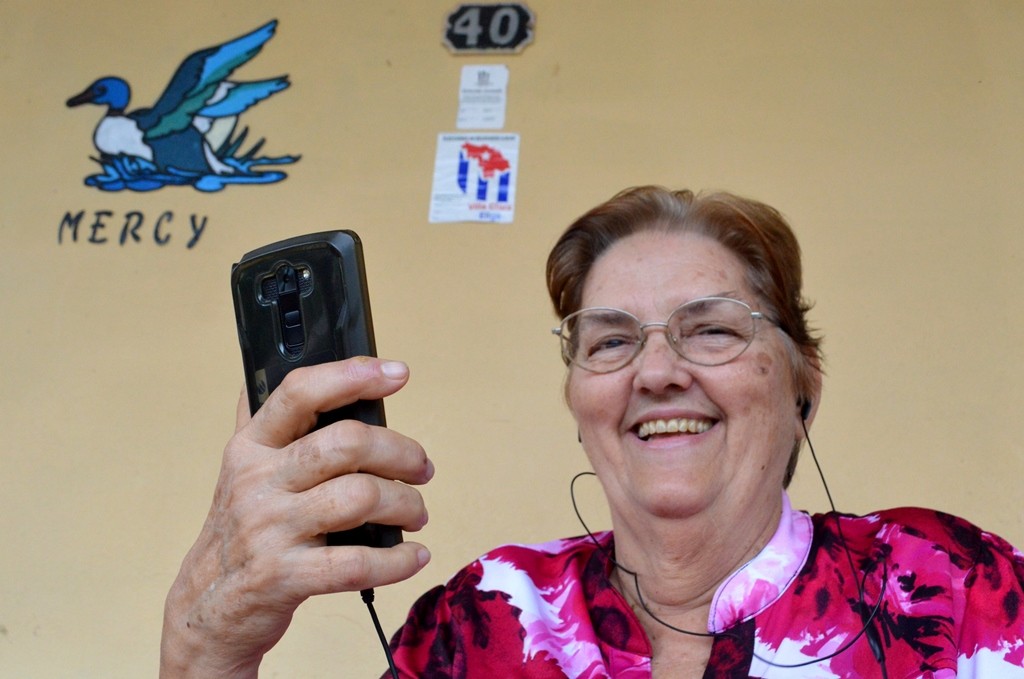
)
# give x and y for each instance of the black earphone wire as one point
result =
(874, 642)
(367, 596)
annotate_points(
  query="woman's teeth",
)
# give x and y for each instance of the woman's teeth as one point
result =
(674, 426)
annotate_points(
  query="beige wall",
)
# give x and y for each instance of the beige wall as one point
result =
(889, 133)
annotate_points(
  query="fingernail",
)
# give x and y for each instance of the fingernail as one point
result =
(394, 369)
(422, 556)
(430, 469)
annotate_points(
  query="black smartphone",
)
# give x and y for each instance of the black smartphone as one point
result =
(303, 301)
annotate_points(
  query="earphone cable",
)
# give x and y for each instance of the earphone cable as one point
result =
(367, 595)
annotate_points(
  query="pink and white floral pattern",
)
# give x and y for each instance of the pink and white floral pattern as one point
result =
(942, 599)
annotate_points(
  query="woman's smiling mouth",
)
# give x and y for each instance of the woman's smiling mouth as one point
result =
(676, 425)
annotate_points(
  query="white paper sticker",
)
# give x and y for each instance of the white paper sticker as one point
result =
(483, 92)
(474, 178)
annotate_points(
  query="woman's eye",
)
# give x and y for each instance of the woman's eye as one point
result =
(608, 344)
(712, 330)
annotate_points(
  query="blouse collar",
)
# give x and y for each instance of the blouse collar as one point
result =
(760, 582)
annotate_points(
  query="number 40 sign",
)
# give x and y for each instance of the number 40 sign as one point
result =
(489, 29)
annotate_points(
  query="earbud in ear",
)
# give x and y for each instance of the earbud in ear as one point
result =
(805, 408)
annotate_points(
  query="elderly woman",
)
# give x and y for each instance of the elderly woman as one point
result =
(693, 379)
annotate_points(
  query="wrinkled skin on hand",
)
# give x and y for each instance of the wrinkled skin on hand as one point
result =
(261, 551)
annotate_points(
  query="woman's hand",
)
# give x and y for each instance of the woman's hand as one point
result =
(261, 551)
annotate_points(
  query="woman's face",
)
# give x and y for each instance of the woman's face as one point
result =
(742, 419)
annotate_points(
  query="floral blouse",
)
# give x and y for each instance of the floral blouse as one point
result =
(941, 598)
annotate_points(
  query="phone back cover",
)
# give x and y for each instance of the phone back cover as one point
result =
(335, 311)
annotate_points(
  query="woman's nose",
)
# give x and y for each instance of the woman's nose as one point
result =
(658, 366)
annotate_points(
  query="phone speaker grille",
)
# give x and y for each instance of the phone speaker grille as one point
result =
(268, 290)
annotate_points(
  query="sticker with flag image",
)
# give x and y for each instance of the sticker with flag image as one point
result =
(474, 178)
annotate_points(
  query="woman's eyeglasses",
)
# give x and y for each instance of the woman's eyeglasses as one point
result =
(707, 331)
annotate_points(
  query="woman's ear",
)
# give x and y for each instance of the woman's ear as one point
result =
(807, 404)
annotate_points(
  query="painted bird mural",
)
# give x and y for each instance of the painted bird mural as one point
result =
(188, 135)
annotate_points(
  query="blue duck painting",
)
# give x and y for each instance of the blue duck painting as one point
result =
(191, 135)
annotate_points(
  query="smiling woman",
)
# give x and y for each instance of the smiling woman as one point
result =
(693, 379)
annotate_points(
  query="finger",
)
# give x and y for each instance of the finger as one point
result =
(351, 446)
(242, 415)
(350, 501)
(349, 569)
(291, 410)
